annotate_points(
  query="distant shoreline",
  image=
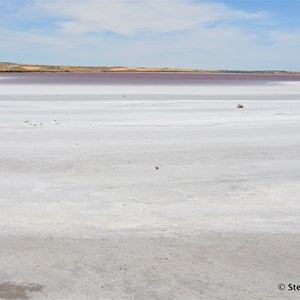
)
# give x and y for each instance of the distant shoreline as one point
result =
(24, 68)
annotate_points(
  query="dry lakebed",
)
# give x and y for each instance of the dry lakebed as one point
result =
(149, 191)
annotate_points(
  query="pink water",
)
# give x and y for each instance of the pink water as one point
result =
(109, 78)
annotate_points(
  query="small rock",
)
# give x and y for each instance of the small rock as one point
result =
(240, 106)
(156, 168)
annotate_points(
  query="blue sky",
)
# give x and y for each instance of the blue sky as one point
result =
(224, 34)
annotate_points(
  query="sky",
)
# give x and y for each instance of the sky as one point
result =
(196, 34)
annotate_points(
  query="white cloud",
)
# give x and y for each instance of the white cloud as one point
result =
(129, 17)
(288, 38)
(177, 33)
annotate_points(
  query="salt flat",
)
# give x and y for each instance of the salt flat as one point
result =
(157, 192)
